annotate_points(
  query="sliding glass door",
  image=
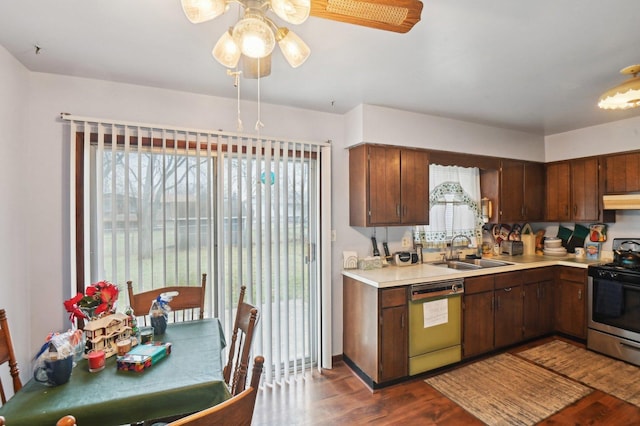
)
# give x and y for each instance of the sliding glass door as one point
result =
(161, 207)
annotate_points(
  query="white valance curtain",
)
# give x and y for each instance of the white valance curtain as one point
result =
(160, 206)
(454, 199)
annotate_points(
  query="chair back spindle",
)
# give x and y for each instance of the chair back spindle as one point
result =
(235, 372)
(7, 355)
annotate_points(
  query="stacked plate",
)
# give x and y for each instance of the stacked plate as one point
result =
(553, 247)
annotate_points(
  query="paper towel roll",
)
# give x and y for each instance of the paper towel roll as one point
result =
(528, 244)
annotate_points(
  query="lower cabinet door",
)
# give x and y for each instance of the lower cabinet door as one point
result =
(508, 317)
(477, 334)
(393, 343)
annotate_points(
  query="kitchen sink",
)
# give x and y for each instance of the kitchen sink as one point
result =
(471, 264)
(485, 263)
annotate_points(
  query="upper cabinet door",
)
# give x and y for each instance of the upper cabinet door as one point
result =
(534, 186)
(622, 173)
(512, 191)
(414, 179)
(384, 186)
(558, 192)
(584, 189)
(521, 191)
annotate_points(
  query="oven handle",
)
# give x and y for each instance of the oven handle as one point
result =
(629, 345)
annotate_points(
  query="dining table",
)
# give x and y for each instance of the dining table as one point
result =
(189, 379)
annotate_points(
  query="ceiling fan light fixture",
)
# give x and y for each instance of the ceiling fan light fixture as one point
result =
(254, 36)
(293, 11)
(226, 51)
(294, 50)
(198, 11)
(625, 95)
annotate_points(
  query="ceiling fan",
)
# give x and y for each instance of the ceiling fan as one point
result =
(254, 36)
(390, 15)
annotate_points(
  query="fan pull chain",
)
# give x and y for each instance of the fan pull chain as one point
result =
(259, 123)
(236, 84)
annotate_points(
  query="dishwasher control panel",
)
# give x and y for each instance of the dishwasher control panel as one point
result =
(436, 289)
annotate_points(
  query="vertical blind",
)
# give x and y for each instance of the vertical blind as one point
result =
(160, 206)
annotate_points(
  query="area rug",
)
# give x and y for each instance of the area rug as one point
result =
(506, 390)
(615, 377)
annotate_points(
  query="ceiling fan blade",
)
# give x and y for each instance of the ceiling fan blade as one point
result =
(390, 15)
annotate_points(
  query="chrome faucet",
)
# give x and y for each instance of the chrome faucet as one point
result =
(451, 246)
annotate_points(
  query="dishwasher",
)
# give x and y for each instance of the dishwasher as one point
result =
(435, 324)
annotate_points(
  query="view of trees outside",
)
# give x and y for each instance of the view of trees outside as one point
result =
(157, 218)
(157, 226)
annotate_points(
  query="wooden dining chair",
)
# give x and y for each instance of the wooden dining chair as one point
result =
(7, 354)
(189, 301)
(235, 372)
(237, 411)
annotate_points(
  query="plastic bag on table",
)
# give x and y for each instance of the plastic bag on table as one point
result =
(159, 311)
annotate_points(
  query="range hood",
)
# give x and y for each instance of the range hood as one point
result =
(621, 202)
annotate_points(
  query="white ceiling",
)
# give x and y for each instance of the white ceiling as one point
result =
(536, 66)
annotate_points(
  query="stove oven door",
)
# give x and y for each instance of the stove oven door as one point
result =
(614, 307)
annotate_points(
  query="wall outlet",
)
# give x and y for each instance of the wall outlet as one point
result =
(406, 242)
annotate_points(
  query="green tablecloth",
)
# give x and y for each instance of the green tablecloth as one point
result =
(188, 380)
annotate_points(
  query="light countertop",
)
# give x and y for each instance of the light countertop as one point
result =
(392, 276)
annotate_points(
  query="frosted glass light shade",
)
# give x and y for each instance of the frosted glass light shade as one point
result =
(255, 38)
(292, 11)
(293, 48)
(625, 95)
(198, 11)
(226, 51)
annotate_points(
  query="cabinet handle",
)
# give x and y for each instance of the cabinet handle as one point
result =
(508, 289)
(566, 210)
(402, 321)
(575, 209)
(493, 303)
(522, 212)
(497, 303)
(398, 210)
(580, 294)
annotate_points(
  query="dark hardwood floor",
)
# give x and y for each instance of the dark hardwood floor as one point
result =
(339, 397)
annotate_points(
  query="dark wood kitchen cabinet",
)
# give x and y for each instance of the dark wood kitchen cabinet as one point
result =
(477, 316)
(558, 192)
(388, 186)
(491, 312)
(375, 331)
(537, 302)
(622, 173)
(508, 309)
(394, 357)
(522, 185)
(572, 190)
(571, 301)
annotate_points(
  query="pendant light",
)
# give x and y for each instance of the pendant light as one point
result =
(625, 95)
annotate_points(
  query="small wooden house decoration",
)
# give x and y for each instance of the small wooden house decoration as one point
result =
(103, 333)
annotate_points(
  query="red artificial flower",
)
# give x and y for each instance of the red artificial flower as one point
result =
(100, 296)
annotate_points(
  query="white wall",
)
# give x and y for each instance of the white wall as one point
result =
(15, 226)
(389, 126)
(618, 136)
